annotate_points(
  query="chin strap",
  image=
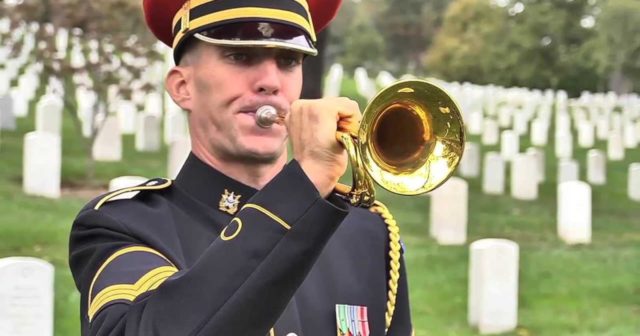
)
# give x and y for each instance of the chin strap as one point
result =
(394, 258)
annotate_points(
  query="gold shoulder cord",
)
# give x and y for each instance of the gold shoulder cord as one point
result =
(394, 258)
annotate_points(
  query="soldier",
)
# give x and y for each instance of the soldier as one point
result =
(242, 242)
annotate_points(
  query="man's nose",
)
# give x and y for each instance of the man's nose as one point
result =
(268, 77)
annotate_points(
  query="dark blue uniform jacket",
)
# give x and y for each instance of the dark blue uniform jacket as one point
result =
(207, 255)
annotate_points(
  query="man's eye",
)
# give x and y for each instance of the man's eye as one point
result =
(238, 57)
(289, 61)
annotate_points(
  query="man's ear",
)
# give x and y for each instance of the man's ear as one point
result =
(178, 87)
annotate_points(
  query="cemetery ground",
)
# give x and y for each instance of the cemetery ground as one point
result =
(563, 290)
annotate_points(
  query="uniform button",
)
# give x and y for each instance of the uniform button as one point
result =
(292, 334)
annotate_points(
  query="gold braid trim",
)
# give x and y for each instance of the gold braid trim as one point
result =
(394, 258)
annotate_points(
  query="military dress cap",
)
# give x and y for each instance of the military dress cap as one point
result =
(288, 24)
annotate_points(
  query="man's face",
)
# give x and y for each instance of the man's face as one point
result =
(228, 86)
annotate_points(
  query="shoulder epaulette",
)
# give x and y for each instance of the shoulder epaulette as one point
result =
(153, 184)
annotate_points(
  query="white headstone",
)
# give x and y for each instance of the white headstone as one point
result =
(602, 127)
(333, 83)
(364, 85)
(490, 132)
(49, 114)
(564, 146)
(493, 285)
(127, 117)
(539, 132)
(574, 212)
(633, 185)
(629, 134)
(586, 138)
(521, 123)
(568, 170)
(524, 177)
(505, 116)
(20, 103)
(108, 143)
(41, 165)
(509, 145)
(153, 104)
(493, 174)
(122, 182)
(148, 133)
(179, 150)
(615, 147)
(26, 297)
(539, 158)
(449, 207)
(175, 124)
(385, 79)
(7, 118)
(596, 167)
(470, 163)
(475, 122)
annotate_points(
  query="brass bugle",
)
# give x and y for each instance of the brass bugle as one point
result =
(410, 141)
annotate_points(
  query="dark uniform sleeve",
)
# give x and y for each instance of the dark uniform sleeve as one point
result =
(239, 286)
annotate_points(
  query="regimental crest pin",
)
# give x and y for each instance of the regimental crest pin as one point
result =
(229, 202)
(352, 320)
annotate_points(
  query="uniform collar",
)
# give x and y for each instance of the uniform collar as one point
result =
(211, 187)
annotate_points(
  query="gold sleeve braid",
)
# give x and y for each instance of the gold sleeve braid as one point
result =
(394, 258)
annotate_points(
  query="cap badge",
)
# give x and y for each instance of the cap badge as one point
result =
(266, 29)
(229, 202)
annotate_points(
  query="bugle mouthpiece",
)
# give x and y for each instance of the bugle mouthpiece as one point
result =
(266, 116)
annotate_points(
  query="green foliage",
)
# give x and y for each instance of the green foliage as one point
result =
(536, 44)
(617, 46)
(366, 46)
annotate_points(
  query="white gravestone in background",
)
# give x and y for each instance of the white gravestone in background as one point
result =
(586, 138)
(364, 84)
(470, 163)
(127, 115)
(7, 118)
(521, 123)
(490, 132)
(538, 156)
(474, 123)
(449, 207)
(20, 103)
(333, 84)
(596, 167)
(629, 134)
(615, 148)
(26, 297)
(175, 124)
(385, 79)
(574, 212)
(179, 150)
(493, 285)
(509, 145)
(524, 177)
(539, 132)
(564, 146)
(633, 185)
(122, 182)
(148, 137)
(568, 170)
(49, 115)
(493, 174)
(107, 146)
(42, 164)
(602, 128)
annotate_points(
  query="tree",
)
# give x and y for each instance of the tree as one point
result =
(617, 45)
(532, 43)
(365, 46)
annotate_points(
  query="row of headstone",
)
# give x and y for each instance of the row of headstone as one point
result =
(450, 203)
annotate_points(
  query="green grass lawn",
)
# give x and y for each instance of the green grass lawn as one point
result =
(564, 290)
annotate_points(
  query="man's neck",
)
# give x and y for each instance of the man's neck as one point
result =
(255, 176)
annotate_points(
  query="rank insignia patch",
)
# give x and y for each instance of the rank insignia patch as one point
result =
(229, 202)
(352, 320)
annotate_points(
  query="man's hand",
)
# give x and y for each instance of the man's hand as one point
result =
(312, 127)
